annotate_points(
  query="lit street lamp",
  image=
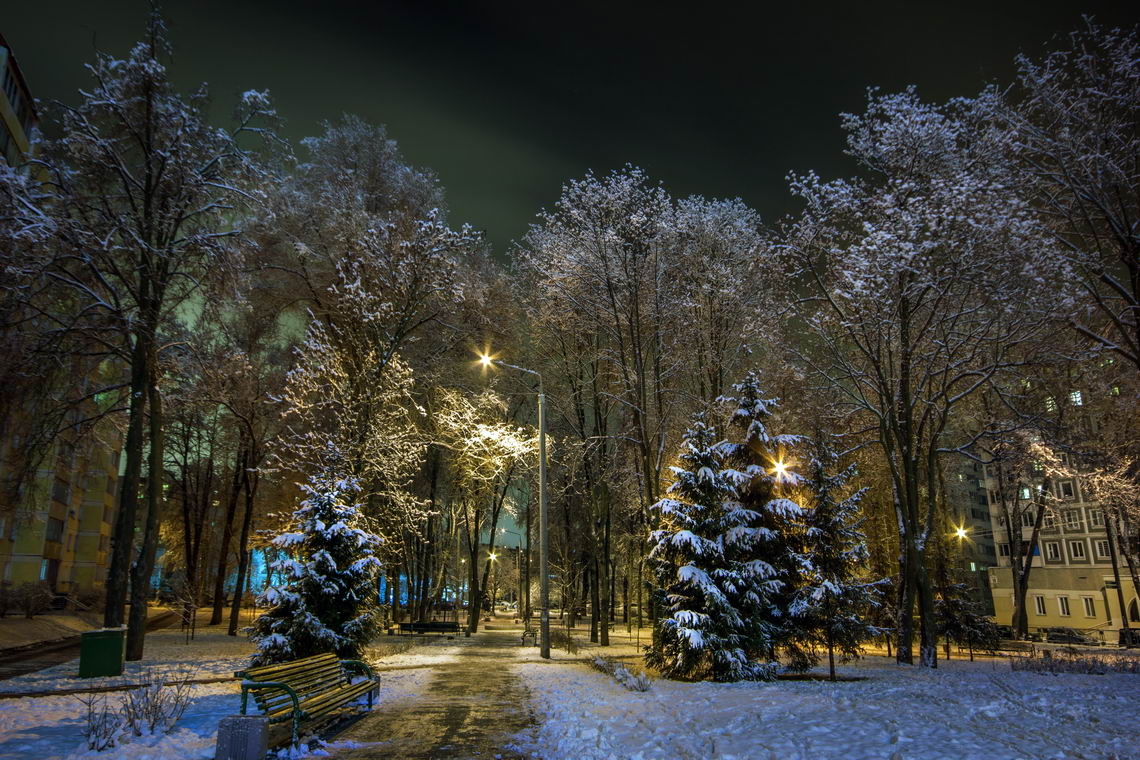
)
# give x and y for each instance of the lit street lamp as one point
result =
(543, 521)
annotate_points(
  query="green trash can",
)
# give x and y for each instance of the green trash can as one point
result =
(102, 652)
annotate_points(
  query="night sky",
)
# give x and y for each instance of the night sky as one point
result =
(507, 100)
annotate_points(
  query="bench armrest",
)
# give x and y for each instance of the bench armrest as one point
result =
(247, 686)
(362, 665)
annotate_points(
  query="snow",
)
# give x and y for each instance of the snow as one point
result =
(50, 728)
(962, 710)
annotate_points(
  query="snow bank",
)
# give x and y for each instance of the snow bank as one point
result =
(962, 710)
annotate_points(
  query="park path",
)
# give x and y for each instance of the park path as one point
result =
(473, 707)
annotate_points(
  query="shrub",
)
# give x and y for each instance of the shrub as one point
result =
(1075, 661)
(623, 675)
(32, 598)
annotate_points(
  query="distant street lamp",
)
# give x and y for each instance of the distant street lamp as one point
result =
(543, 519)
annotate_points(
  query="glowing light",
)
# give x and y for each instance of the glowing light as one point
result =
(485, 360)
(780, 469)
(961, 532)
(493, 556)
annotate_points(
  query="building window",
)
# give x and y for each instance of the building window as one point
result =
(1063, 605)
(1052, 551)
(1090, 606)
(1050, 404)
(1102, 548)
(1077, 549)
(1039, 603)
(1066, 490)
(1072, 519)
(54, 530)
(1025, 494)
(60, 491)
(1027, 519)
(1076, 399)
(1003, 550)
(1050, 520)
(1096, 518)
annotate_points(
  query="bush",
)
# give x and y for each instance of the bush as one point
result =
(1074, 661)
(32, 598)
(155, 707)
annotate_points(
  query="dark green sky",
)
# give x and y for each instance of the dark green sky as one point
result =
(507, 100)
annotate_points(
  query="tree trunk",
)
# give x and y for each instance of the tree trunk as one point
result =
(1110, 533)
(144, 565)
(227, 533)
(123, 539)
(249, 483)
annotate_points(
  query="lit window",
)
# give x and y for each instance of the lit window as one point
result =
(1050, 404)
(1025, 493)
(1090, 606)
(1075, 398)
(1114, 391)
(1063, 605)
(1066, 490)
(1077, 549)
(1039, 603)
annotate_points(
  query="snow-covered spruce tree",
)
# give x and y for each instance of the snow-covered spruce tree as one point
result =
(963, 620)
(700, 568)
(765, 534)
(327, 600)
(832, 602)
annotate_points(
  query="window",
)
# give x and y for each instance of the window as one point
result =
(1027, 519)
(1039, 604)
(1114, 390)
(1063, 605)
(1050, 520)
(1072, 519)
(1076, 399)
(1003, 550)
(1050, 404)
(54, 530)
(1053, 551)
(1025, 493)
(1077, 549)
(1102, 548)
(979, 514)
(60, 491)
(994, 497)
(1090, 606)
(1066, 490)
(1038, 467)
(1096, 518)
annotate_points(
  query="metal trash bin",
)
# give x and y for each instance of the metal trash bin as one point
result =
(102, 652)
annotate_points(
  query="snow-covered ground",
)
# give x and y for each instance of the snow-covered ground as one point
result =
(961, 711)
(45, 728)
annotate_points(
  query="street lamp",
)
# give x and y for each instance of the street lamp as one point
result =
(543, 520)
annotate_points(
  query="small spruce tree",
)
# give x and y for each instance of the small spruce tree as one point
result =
(327, 599)
(831, 606)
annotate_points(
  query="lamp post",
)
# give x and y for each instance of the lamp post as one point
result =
(518, 569)
(543, 520)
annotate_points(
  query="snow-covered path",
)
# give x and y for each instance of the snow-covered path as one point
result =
(961, 711)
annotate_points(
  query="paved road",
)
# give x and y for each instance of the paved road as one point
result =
(471, 708)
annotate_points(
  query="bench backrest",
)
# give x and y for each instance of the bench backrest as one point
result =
(307, 676)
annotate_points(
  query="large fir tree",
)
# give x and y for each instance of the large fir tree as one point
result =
(708, 585)
(326, 601)
(762, 473)
(831, 604)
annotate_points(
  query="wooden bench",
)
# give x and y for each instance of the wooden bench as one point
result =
(310, 689)
(533, 633)
(431, 626)
(1016, 647)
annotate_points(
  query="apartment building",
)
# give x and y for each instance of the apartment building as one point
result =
(970, 534)
(1071, 583)
(17, 110)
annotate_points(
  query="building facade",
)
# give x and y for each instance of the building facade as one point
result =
(17, 110)
(1071, 583)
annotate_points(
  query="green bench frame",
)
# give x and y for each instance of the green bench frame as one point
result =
(312, 688)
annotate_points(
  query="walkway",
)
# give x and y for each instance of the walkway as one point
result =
(472, 708)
